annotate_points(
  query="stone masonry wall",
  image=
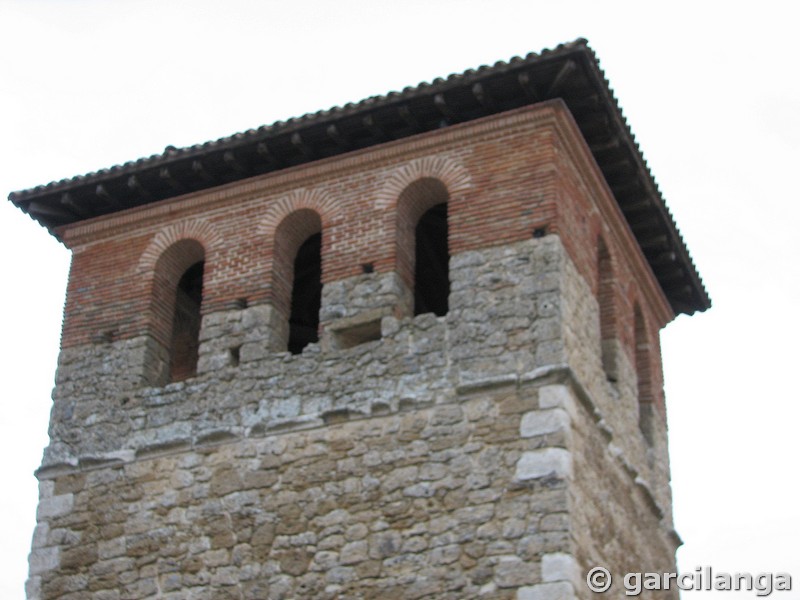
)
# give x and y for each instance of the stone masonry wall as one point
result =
(503, 320)
(427, 503)
(446, 460)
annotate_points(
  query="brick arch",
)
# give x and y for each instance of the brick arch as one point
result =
(423, 199)
(174, 311)
(447, 170)
(607, 284)
(199, 230)
(317, 200)
(290, 235)
(169, 254)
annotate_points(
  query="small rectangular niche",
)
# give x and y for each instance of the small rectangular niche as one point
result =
(353, 331)
(233, 356)
(355, 335)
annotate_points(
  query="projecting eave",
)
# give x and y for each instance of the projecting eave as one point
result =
(570, 72)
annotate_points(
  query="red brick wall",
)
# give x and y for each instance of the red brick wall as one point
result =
(505, 176)
(591, 225)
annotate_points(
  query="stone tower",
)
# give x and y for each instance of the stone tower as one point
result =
(408, 348)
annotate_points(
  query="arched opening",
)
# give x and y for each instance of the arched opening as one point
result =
(185, 340)
(306, 295)
(423, 256)
(297, 279)
(608, 317)
(644, 382)
(431, 265)
(176, 313)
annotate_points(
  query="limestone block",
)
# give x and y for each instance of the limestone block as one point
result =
(542, 462)
(547, 591)
(354, 552)
(560, 566)
(40, 535)
(33, 588)
(42, 560)
(511, 571)
(540, 422)
(54, 506)
(46, 488)
(557, 396)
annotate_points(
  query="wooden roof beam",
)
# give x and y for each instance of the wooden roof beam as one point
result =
(262, 149)
(167, 177)
(408, 117)
(483, 98)
(69, 203)
(564, 73)
(644, 225)
(199, 169)
(656, 242)
(441, 105)
(662, 258)
(135, 185)
(336, 135)
(582, 103)
(623, 165)
(609, 144)
(679, 291)
(633, 188)
(670, 274)
(48, 210)
(102, 192)
(301, 146)
(371, 125)
(232, 163)
(528, 87)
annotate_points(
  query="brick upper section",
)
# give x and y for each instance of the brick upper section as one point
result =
(507, 177)
(571, 73)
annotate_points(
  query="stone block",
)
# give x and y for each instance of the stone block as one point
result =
(54, 506)
(540, 422)
(547, 591)
(544, 462)
(42, 560)
(40, 535)
(556, 396)
(560, 566)
(511, 572)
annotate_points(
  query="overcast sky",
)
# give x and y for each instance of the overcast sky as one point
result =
(710, 89)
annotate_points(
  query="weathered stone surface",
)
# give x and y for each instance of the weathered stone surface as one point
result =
(545, 462)
(462, 456)
(43, 560)
(560, 567)
(540, 422)
(547, 591)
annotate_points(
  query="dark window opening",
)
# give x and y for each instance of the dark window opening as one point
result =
(605, 297)
(643, 377)
(431, 270)
(306, 295)
(234, 355)
(186, 324)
